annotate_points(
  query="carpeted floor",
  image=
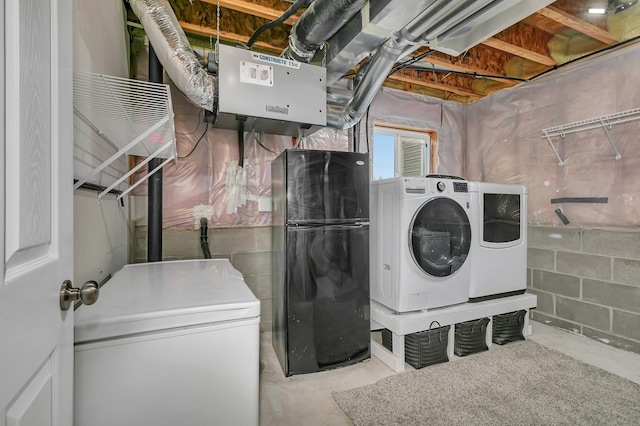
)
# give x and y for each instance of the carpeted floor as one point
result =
(521, 383)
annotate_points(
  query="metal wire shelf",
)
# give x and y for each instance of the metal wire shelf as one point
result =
(605, 122)
(135, 117)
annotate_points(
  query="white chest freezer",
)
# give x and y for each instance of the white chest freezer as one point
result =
(169, 343)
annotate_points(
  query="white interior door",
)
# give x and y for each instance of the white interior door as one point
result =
(36, 208)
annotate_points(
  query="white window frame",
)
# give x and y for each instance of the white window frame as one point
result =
(397, 134)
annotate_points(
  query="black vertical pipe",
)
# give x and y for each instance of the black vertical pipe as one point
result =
(355, 132)
(241, 143)
(154, 208)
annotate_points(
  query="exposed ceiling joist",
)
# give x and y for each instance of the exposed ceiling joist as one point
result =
(519, 51)
(436, 60)
(435, 85)
(543, 23)
(524, 44)
(225, 36)
(253, 9)
(572, 22)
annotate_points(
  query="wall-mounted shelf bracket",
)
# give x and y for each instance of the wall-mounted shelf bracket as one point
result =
(136, 117)
(606, 122)
(606, 128)
(555, 151)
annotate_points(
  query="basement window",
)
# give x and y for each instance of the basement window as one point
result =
(401, 151)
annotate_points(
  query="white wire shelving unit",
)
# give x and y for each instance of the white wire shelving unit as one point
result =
(604, 121)
(135, 117)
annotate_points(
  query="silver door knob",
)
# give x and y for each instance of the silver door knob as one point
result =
(88, 294)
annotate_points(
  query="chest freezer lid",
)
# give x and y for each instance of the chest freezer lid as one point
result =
(158, 296)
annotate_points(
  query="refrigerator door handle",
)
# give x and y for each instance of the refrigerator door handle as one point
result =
(302, 226)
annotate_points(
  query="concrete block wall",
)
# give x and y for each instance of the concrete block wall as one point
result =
(248, 249)
(587, 281)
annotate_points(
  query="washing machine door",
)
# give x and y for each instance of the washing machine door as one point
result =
(440, 237)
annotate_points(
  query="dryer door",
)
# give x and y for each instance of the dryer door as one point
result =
(440, 237)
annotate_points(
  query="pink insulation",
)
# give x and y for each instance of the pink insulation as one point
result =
(505, 143)
(200, 178)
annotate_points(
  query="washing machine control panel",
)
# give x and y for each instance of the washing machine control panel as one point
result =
(457, 186)
(417, 186)
(460, 187)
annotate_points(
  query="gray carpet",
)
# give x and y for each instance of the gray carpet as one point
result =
(521, 383)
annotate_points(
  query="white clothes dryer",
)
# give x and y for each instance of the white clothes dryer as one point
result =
(499, 224)
(420, 239)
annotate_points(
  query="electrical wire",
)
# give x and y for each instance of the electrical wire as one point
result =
(197, 127)
(197, 142)
(407, 64)
(597, 52)
(469, 74)
(366, 129)
(264, 147)
(400, 65)
(525, 80)
(403, 65)
(293, 9)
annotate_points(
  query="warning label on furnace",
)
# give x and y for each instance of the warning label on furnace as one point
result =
(256, 73)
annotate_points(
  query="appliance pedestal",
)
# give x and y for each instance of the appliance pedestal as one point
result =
(402, 324)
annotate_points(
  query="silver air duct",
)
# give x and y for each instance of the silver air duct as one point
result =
(174, 51)
(317, 24)
(338, 96)
(393, 29)
(442, 14)
(383, 60)
(396, 29)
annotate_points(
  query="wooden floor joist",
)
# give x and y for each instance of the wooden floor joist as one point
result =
(436, 60)
(519, 51)
(254, 9)
(488, 60)
(571, 21)
(435, 85)
(226, 36)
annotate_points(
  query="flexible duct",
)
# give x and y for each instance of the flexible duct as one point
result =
(204, 238)
(317, 24)
(174, 51)
(444, 14)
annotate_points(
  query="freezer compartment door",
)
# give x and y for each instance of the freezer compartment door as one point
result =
(327, 293)
(326, 186)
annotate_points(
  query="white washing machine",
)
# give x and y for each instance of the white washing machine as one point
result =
(169, 343)
(420, 239)
(499, 221)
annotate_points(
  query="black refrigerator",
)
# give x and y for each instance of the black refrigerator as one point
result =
(320, 265)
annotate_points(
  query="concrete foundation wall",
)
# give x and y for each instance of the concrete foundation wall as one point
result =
(587, 281)
(248, 249)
